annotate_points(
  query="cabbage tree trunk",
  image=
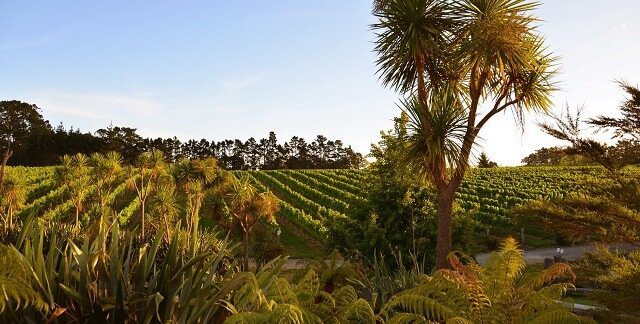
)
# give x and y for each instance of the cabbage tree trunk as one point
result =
(245, 249)
(445, 220)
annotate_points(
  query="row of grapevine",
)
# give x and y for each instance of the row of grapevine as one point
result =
(309, 192)
(334, 182)
(358, 175)
(127, 213)
(312, 198)
(295, 216)
(59, 211)
(489, 194)
(339, 176)
(30, 175)
(492, 193)
(39, 189)
(327, 188)
(293, 197)
(42, 202)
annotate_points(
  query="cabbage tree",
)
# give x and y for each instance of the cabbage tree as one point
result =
(457, 64)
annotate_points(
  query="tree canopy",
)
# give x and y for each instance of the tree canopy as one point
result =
(484, 162)
(40, 144)
(18, 122)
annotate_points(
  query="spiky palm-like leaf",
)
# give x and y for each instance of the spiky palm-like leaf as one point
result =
(165, 205)
(435, 131)
(105, 170)
(148, 168)
(111, 278)
(247, 207)
(14, 196)
(412, 40)
(74, 175)
(186, 170)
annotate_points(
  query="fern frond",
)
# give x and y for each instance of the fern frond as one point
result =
(555, 291)
(512, 258)
(246, 318)
(307, 286)
(282, 292)
(402, 318)
(427, 307)
(358, 311)
(16, 282)
(345, 295)
(550, 274)
(458, 320)
(459, 292)
(561, 316)
(325, 299)
(286, 313)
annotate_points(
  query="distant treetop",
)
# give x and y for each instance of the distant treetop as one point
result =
(46, 145)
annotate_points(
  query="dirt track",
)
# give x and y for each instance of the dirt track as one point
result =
(571, 253)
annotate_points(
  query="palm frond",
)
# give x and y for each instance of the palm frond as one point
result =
(412, 38)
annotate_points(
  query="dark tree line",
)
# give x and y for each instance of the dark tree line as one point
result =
(44, 145)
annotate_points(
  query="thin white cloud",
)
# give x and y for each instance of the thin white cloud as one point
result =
(620, 27)
(95, 105)
(231, 94)
(25, 44)
(45, 39)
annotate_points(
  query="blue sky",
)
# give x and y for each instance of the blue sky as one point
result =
(235, 69)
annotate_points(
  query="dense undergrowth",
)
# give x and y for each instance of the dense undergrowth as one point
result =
(79, 254)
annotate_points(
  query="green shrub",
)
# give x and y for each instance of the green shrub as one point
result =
(265, 246)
